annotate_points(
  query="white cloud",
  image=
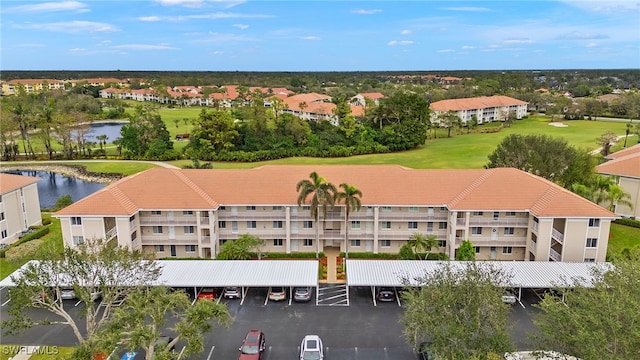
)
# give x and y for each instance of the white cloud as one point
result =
(218, 52)
(446, 51)
(241, 26)
(400, 42)
(186, 3)
(518, 41)
(215, 16)
(366, 12)
(310, 38)
(406, 32)
(592, 45)
(48, 7)
(219, 37)
(149, 18)
(72, 27)
(467, 8)
(577, 35)
(606, 7)
(468, 47)
(144, 47)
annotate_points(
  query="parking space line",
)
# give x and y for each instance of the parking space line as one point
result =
(266, 300)
(78, 303)
(6, 302)
(211, 352)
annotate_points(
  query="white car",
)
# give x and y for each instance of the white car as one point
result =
(67, 294)
(311, 348)
(509, 299)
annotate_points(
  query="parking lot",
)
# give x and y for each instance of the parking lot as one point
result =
(358, 331)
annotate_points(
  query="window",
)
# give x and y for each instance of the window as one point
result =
(190, 248)
(412, 224)
(234, 226)
(251, 208)
(413, 208)
(589, 260)
(385, 243)
(77, 240)
(189, 229)
(429, 226)
(443, 208)
(132, 218)
(507, 250)
(222, 224)
(476, 230)
(1, 216)
(157, 229)
(134, 235)
(222, 208)
(442, 243)
(277, 224)
(496, 215)
(478, 213)
(76, 220)
(385, 225)
(307, 224)
(386, 208)
(4, 234)
(277, 207)
(278, 242)
(509, 231)
(477, 249)
(594, 222)
(592, 242)
(306, 208)
(511, 213)
(156, 212)
(355, 242)
(308, 242)
(442, 225)
(159, 248)
(251, 224)
(355, 224)
(187, 212)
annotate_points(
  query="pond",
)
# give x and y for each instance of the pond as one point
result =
(111, 129)
(53, 185)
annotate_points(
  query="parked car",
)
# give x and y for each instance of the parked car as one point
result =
(207, 294)
(277, 293)
(509, 298)
(311, 348)
(67, 294)
(302, 294)
(252, 346)
(425, 352)
(231, 292)
(386, 294)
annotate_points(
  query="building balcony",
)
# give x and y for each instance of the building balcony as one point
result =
(411, 216)
(502, 222)
(554, 255)
(151, 240)
(165, 220)
(557, 235)
(111, 233)
(520, 241)
(251, 215)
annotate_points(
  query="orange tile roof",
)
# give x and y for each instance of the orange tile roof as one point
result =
(33, 81)
(627, 165)
(11, 182)
(372, 96)
(624, 152)
(466, 190)
(357, 110)
(475, 103)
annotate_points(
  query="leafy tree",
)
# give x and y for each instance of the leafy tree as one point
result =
(350, 195)
(322, 194)
(449, 120)
(406, 252)
(146, 135)
(598, 321)
(92, 268)
(215, 132)
(466, 251)
(551, 158)
(62, 202)
(142, 320)
(458, 309)
(606, 141)
(423, 243)
(241, 248)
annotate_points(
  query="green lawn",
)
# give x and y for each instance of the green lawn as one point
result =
(48, 352)
(621, 237)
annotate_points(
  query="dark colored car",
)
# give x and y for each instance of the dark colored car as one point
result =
(252, 346)
(386, 294)
(424, 352)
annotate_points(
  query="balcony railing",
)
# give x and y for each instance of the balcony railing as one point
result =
(554, 255)
(111, 233)
(164, 220)
(515, 222)
(535, 226)
(520, 241)
(533, 245)
(557, 235)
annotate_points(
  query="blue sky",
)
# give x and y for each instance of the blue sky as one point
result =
(208, 35)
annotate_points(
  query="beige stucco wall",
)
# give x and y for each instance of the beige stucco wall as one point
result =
(632, 187)
(16, 217)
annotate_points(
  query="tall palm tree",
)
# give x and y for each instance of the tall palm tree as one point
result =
(420, 242)
(351, 197)
(322, 195)
(617, 196)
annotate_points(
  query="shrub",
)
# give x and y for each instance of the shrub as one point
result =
(42, 231)
(628, 222)
(46, 221)
(367, 255)
(406, 252)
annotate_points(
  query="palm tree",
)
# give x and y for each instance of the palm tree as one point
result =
(420, 242)
(617, 196)
(351, 197)
(322, 195)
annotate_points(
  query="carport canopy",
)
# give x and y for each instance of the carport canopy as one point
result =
(522, 274)
(222, 273)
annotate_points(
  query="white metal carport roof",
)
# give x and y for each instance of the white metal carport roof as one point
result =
(220, 273)
(523, 274)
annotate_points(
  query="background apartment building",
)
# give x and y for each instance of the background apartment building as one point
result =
(19, 206)
(506, 213)
(624, 167)
(484, 108)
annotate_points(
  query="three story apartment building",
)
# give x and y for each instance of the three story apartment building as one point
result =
(507, 214)
(19, 206)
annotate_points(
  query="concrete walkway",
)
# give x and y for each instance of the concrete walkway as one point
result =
(25, 353)
(332, 254)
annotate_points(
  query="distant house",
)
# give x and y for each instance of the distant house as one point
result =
(31, 85)
(311, 106)
(485, 108)
(19, 206)
(361, 99)
(624, 166)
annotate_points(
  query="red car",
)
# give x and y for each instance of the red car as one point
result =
(207, 294)
(253, 346)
